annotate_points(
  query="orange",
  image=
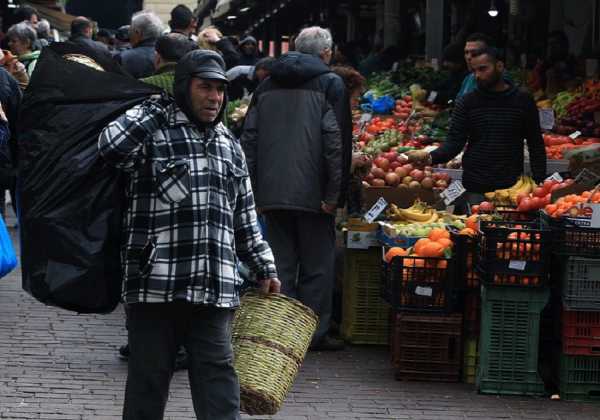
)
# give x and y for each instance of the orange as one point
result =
(438, 233)
(395, 252)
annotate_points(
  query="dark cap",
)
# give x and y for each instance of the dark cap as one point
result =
(248, 39)
(204, 64)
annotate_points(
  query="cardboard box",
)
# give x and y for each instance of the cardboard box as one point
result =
(402, 197)
(361, 235)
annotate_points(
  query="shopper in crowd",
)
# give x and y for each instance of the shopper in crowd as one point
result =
(211, 38)
(145, 29)
(27, 14)
(249, 51)
(183, 21)
(169, 50)
(558, 69)
(21, 38)
(243, 80)
(454, 63)
(106, 37)
(44, 32)
(82, 30)
(294, 139)
(184, 290)
(490, 124)
(10, 100)
(121, 41)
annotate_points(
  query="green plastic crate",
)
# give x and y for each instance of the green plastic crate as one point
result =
(509, 342)
(470, 360)
(365, 315)
(579, 378)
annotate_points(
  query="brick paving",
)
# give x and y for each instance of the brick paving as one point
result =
(59, 365)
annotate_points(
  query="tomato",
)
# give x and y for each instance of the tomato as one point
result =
(536, 203)
(486, 207)
(474, 209)
(539, 192)
(548, 184)
(525, 204)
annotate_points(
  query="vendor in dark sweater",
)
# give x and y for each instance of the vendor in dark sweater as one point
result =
(490, 124)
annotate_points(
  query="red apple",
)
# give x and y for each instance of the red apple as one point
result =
(417, 175)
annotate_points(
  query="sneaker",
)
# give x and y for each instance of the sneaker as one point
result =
(181, 361)
(328, 343)
(124, 352)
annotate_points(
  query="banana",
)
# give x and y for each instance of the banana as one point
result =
(490, 196)
(415, 215)
(434, 218)
(526, 187)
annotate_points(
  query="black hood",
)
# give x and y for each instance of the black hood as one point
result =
(198, 63)
(294, 68)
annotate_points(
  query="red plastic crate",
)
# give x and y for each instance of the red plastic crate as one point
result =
(581, 333)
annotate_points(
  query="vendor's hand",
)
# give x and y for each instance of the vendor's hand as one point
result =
(419, 157)
(266, 286)
(360, 161)
(328, 208)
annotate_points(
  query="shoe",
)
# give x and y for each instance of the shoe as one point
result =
(124, 352)
(181, 361)
(328, 343)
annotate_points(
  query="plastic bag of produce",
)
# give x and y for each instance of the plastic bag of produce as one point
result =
(383, 105)
(70, 201)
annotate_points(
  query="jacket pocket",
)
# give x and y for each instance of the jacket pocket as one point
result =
(173, 180)
(233, 182)
(147, 257)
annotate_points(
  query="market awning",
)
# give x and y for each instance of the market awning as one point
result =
(57, 18)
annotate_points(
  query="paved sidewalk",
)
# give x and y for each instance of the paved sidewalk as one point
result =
(59, 365)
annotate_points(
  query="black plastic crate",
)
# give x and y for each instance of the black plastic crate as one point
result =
(465, 254)
(427, 347)
(419, 284)
(514, 253)
(572, 240)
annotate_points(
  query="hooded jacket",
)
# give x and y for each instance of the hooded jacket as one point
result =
(297, 136)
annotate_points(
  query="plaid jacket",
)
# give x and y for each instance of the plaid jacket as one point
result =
(190, 210)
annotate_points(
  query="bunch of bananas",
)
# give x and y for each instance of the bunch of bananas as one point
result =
(419, 212)
(508, 196)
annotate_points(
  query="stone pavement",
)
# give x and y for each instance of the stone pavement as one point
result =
(60, 365)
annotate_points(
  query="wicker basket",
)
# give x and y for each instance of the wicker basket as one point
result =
(271, 335)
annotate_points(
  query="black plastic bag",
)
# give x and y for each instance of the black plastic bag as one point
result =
(70, 202)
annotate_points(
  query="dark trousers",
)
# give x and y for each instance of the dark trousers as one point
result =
(303, 244)
(155, 329)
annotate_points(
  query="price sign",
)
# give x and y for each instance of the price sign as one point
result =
(423, 291)
(546, 118)
(575, 134)
(454, 190)
(555, 177)
(432, 95)
(365, 118)
(376, 210)
(517, 265)
(587, 178)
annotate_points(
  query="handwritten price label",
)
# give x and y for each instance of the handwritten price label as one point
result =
(454, 190)
(546, 119)
(555, 177)
(376, 210)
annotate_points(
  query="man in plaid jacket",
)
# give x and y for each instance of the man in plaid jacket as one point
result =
(190, 216)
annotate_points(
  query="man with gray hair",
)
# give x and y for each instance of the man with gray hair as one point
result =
(145, 29)
(297, 140)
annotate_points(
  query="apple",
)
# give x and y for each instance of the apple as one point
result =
(486, 207)
(417, 175)
(401, 172)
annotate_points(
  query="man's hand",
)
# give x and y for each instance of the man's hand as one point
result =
(328, 208)
(419, 157)
(266, 286)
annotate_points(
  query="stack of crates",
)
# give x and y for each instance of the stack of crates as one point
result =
(365, 315)
(513, 264)
(578, 368)
(426, 336)
(468, 290)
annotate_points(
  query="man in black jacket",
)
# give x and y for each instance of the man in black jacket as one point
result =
(10, 99)
(145, 29)
(298, 148)
(81, 33)
(490, 124)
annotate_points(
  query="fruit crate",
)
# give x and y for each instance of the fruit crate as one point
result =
(470, 359)
(472, 312)
(579, 378)
(509, 342)
(426, 347)
(465, 257)
(581, 333)
(419, 284)
(573, 240)
(365, 315)
(514, 253)
(581, 284)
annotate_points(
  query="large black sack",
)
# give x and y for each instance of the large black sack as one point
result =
(71, 203)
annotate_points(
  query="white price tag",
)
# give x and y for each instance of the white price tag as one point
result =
(432, 95)
(546, 118)
(555, 177)
(587, 178)
(575, 134)
(423, 291)
(365, 118)
(517, 265)
(595, 222)
(454, 190)
(376, 210)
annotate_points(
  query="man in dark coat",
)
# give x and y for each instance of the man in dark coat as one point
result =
(145, 29)
(10, 98)
(297, 140)
(81, 33)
